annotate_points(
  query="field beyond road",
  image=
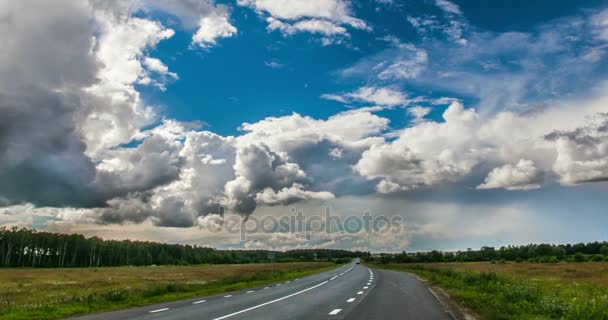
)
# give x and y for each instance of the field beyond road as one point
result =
(564, 290)
(59, 293)
(572, 273)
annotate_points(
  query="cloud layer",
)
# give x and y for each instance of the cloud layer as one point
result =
(77, 136)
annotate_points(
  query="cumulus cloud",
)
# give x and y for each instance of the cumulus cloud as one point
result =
(113, 111)
(582, 154)
(211, 21)
(290, 195)
(327, 18)
(42, 156)
(522, 176)
(67, 109)
(425, 154)
(213, 27)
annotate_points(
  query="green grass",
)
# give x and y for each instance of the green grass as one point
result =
(499, 296)
(106, 289)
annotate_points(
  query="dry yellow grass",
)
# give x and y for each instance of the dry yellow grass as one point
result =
(563, 272)
(39, 287)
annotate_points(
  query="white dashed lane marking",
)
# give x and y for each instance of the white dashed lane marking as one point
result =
(200, 301)
(159, 310)
(360, 292)
(350, 300)
(250, 291)
(228, 296)
(334, 312)
(269, 302)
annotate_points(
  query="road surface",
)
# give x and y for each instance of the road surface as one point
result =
(350, 292)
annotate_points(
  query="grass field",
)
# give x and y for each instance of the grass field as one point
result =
(58, 293)
(574, 291)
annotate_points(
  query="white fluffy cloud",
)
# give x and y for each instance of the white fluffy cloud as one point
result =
(116, 111)
(213, 27)
(211, 21)
(582, 154)
(325, 17)
(425, 154)
(522, 176)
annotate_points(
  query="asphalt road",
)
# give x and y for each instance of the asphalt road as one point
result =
(349, 292)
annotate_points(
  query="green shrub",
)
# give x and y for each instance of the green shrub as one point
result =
(597, 257)
(579, 257)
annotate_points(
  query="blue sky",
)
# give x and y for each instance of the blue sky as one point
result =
(478, 122)
(257, 73)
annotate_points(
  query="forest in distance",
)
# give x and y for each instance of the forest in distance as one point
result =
(541, 253)
(36, 249)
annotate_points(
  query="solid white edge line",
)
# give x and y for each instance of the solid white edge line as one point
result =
(159, 310)
(200, 301)
(270, 302)
(433, 293)
(350, 300)
(334, 312)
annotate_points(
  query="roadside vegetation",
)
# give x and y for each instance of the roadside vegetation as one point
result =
(540, 253)
(508, 290)
(59, 293)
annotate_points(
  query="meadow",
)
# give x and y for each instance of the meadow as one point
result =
(59, 293)
(565, 290)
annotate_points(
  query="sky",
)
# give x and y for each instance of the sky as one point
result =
(463, 123)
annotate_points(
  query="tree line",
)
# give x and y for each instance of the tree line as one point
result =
(36, 249)
(592, 251)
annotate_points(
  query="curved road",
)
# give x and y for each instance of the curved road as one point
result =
(349, 292)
